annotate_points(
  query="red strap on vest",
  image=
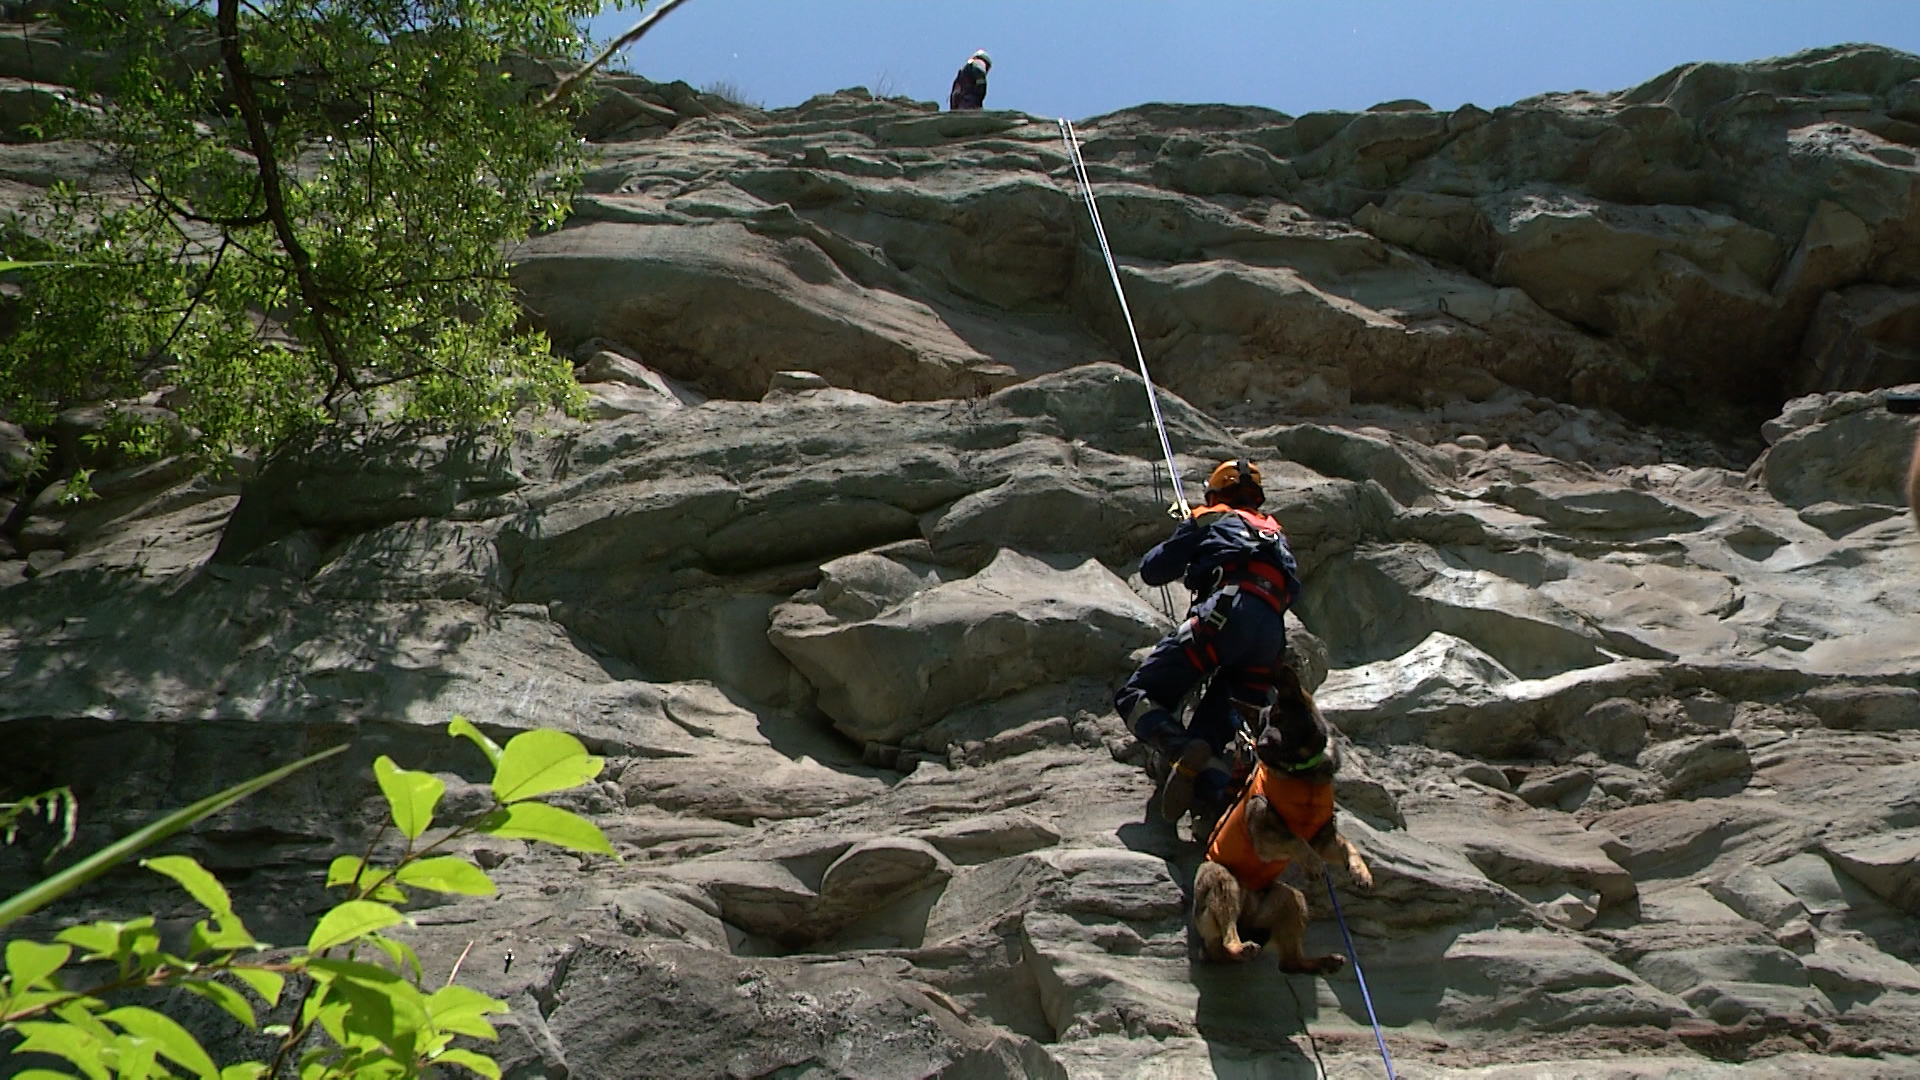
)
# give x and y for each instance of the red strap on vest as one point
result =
(1252, 577)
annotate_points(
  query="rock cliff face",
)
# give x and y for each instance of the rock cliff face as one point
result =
(1695, 249)
(841, 574)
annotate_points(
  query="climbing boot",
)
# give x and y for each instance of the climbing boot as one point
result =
(1183, 768)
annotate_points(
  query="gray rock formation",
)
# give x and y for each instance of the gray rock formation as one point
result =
(839, 573)
(1691, 249)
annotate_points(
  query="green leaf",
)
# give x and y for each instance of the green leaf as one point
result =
(42, 1074)
(331, 1016)
(537, 762)
(113, 940)
(170, 1038)
(382, 1004)
(79, 1012)
(135, 1058)
(194, 878)
(27, 1001)
(326, 969)
(233, 1001)
(405, 960)
(245, 1070)
(462, 1011)
(351, 920)
(344, 869)
(538, 821)
(62, 1040)
(96, 940)
(461, 726)
(230, 935)
(46, 891)
(411, 795)
(29, 963)
(267, 984)
(447, 874)
(467, 1059)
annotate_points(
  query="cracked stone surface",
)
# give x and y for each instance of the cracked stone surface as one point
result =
(1622, 637)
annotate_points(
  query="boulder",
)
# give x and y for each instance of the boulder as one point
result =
(1889, 864)
(1530, 852)
(1857, 456)
(1020, 622)
(756, 1015)
(1410, 472)
(1565, 985)
(1755, 894)
(705, 305)
(1685, 765)
(1861, 337)
(990, 837)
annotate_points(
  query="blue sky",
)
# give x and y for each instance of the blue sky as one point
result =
(1078, 58)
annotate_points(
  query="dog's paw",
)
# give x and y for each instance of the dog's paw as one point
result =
(1220, 952)
(1315, 965)
(1362, 877)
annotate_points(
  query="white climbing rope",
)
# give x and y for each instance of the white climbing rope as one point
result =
(1113, 272)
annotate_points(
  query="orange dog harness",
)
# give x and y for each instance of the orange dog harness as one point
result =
(1305, 806)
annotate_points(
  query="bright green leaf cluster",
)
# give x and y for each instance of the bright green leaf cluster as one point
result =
(378, 1018)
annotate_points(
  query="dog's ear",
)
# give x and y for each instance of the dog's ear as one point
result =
(1288, 687)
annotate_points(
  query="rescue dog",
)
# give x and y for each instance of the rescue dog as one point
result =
(1284, 815)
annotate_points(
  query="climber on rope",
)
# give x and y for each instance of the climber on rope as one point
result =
(970, 86)
(1236, 563)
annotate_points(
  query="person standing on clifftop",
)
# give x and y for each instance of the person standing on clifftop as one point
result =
(970, 86)
(1242, 576)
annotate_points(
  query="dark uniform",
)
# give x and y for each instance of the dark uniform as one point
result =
(1243, 577)
(969, 87)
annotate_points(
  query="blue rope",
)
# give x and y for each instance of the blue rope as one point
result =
(1362, 976)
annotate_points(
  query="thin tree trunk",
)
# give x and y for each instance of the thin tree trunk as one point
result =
(240, 82)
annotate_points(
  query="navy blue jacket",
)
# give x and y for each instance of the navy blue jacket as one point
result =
(969, 88)
(1216, 536)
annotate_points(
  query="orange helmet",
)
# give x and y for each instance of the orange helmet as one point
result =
(1228, 473)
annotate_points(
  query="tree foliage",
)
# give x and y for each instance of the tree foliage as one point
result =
(360, 1004)
(309, 217)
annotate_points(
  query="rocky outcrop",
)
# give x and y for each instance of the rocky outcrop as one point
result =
(1696, 248)
(1631, 753)
(838, 573)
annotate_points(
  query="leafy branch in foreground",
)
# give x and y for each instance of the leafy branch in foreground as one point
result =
(362, 987)
(57, 806)
(313, 213)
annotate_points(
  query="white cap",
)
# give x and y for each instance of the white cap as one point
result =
(981, 55)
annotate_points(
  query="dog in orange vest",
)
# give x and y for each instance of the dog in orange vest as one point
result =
(1284, 815)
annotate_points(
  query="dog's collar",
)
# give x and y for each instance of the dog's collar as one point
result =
(1307, 764)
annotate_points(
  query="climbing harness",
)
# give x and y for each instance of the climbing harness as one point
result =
(1113, 273)
(1378, 1037)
